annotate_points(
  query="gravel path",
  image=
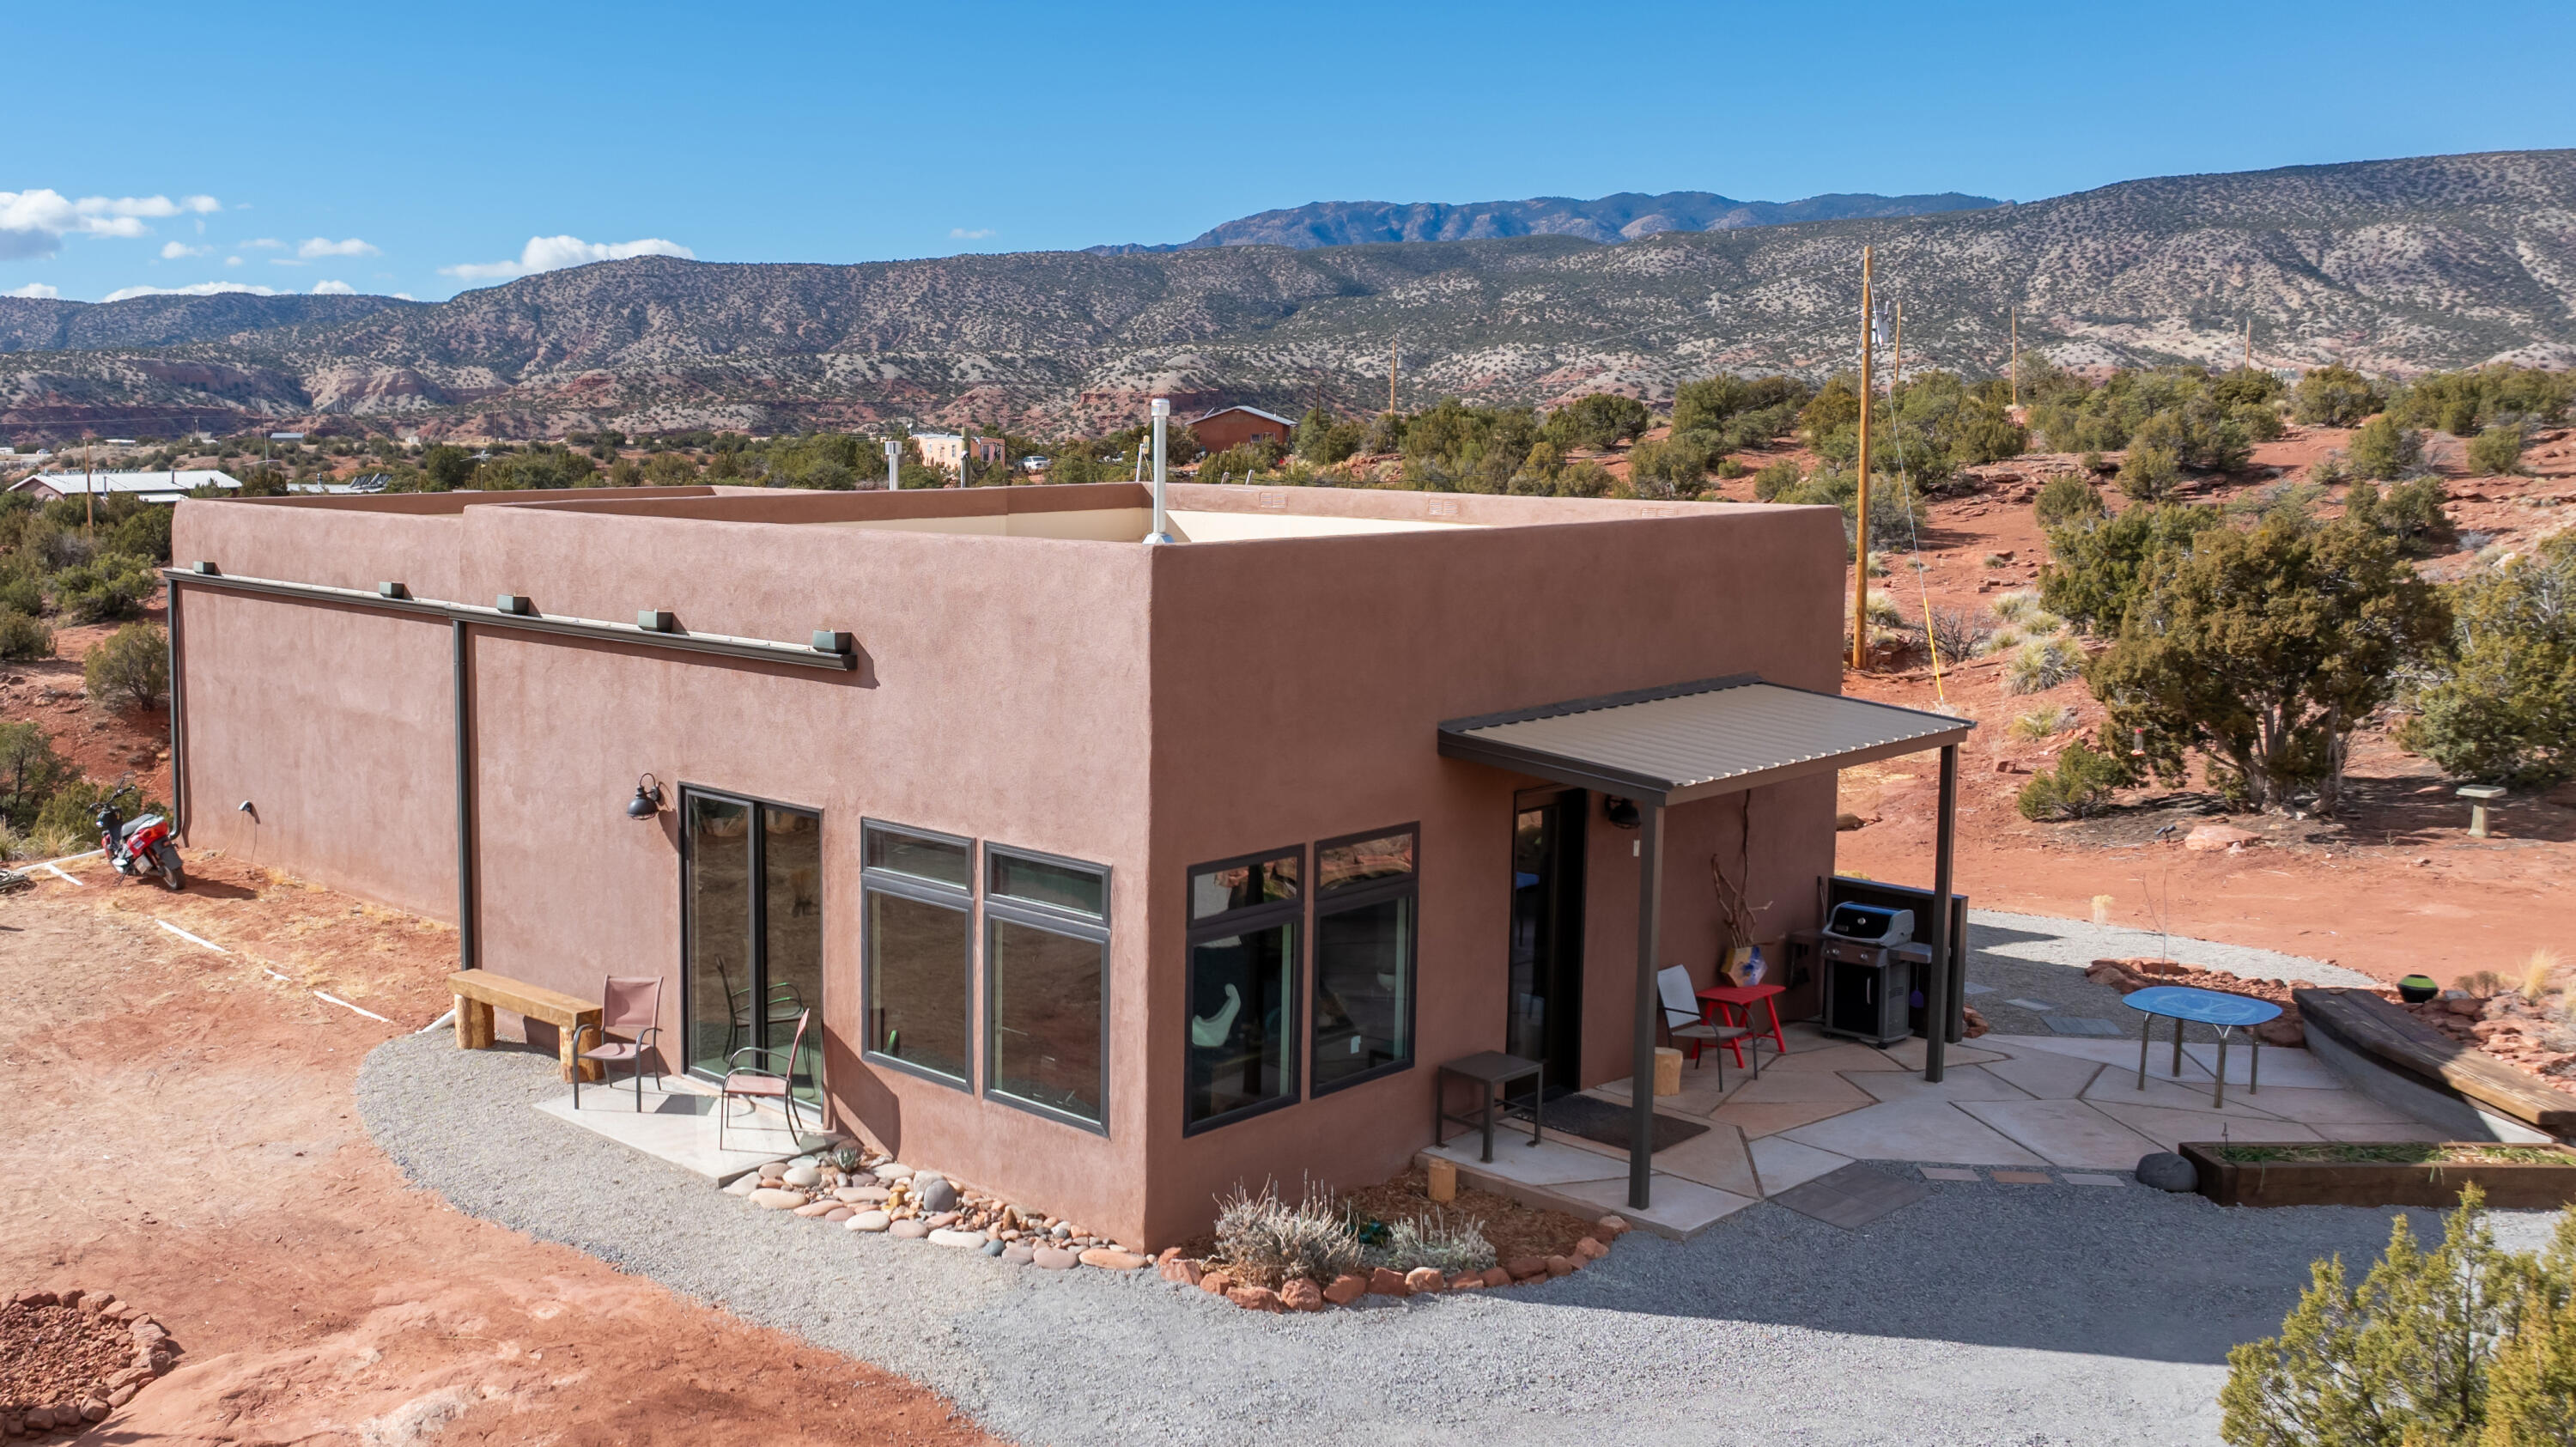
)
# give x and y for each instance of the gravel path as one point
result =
(2034, 957)
(1985, 1313)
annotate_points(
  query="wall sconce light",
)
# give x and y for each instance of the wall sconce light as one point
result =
(1622, 813)
(648, 798)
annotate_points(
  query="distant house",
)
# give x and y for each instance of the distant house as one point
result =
(947, 449)
(168, 485)
(1234, 426)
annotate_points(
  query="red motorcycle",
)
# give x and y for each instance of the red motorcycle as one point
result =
(140, 847)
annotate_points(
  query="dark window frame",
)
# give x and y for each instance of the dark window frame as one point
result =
(920, 891)
(1345, 897)
(756, 899)
(1053, 919)
(1267, 915)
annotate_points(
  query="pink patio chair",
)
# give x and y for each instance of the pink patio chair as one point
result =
(773, 1081)
(633, 1006)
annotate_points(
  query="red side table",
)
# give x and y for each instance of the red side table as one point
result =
(1737, 1001)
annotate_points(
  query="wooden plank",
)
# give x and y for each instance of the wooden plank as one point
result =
(519, 997)
(2371, 1025)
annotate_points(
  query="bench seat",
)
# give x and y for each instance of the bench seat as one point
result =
(2368, 1024)
(478, 991)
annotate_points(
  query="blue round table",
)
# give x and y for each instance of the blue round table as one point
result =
(2220, 1011)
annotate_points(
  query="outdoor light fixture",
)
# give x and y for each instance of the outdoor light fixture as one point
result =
(1622, 813)
(648, 798)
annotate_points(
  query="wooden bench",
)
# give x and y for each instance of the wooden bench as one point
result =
(477, 991)
(2369, 1025)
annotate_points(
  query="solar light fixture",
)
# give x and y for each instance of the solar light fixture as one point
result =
(827, 640)
(393, 590)
(648, 798)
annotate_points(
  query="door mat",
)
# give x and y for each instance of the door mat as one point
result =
(2078, 1025)
(1851, 1196)
(1612, 1123)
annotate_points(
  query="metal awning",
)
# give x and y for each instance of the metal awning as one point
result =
(1689, 741)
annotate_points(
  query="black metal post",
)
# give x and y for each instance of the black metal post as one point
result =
(1650, 882)
(467, 955)
(178, 727)
(1936, 990)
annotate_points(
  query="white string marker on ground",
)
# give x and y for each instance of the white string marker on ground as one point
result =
(345, 1005)
(58, 874)
(192, 939)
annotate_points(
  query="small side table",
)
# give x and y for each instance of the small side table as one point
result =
(1737, 1001)
(1491, 1071)
(2217, 1009)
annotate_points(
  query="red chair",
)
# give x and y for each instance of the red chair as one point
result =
(633, 1006)
(759, 1083)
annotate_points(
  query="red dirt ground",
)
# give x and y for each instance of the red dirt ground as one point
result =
(183, 1134)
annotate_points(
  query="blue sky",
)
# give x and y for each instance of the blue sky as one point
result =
(424, 150)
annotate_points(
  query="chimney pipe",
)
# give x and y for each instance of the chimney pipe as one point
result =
(894, 464)
(1162, 418)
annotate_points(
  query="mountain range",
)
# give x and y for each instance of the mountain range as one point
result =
(1623, 217)
(2389, 265)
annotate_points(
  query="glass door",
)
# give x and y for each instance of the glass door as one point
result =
(1544, 1015)
(752, 958)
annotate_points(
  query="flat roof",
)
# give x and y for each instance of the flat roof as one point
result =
(1687, 741)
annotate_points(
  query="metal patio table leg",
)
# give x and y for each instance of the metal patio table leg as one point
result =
(2254, 1074)
(2218, 1093)
(2146, 1037)
(2177, 1068)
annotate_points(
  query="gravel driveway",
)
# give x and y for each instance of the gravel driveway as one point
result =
(1986, 1313)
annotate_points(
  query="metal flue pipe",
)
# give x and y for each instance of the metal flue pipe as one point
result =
(1162, 419)
(894, 464)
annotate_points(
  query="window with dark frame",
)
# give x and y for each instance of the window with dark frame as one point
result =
(1242, 998)
(1046, 985)
(1366, 898)
(918, 899)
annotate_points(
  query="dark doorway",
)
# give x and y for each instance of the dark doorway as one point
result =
(1545, 1019)
(751, 922)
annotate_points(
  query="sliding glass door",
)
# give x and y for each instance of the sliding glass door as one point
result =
(751, 910)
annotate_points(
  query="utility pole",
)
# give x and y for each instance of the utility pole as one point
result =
(1896, 356)
(2016, 356)
(1860, 526)
(2249, 344)
(1394, 365)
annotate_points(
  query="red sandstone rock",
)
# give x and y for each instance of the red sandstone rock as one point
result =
(1497, 1276)
(1560, 1266)
(1422, 1280)
(1526, 1268)
(1256, 1298)
(1346, 1289)
(1590, 1250)
(1216, 1283)
(1302, 1295)
(1383, 1282)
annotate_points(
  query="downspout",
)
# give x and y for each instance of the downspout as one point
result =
(1936, 990)
(1650, 881)
(467, 955)
(178, 727)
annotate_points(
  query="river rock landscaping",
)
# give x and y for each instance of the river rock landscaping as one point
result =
(862, 1190)
(69, 1358)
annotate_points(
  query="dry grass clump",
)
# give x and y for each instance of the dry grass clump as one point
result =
(2015, 606)
(1412, 1243)
(2040, 723)
(2042, 664)
(2543, 975)
(1265, 1241)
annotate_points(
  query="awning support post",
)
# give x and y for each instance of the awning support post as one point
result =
(1650, 884)
(1936, 990)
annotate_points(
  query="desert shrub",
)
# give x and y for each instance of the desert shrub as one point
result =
(2464, 1343)
(2496, 452)
(2383, 450)
(2065, 499)
(2042, 664)
(1895, 509)
(30, 771)
(1324, 440)
(2246, 386)
(67, 811)
(2012, 607)
(1266, 1241)
(2080, 785)
(2094, 573)
(2261, 421)
(2334, 396)
(1673, 467)
(1585, 478)
(1601, 419)
(1727, 469)
(2150, 473)
(2040, 723)
(1773, 479)
(112, 585)
(23, 635)
(145, 533)
(673, 469)
(2002, 640)
(1883, 610)
(131, 669)
(2502, 705)
(1713, 402)
(22, 591)
(2409, 513)
(1956, 632)
(1411, 1244)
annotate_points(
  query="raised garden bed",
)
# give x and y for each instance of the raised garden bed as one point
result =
(69, 1358)
(2251, 1173)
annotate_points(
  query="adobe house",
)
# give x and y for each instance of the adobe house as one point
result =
(1118, 873)
(1233, 426)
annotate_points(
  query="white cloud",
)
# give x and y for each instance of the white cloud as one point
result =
(203, 288)
(266, 243)
(405, 296)
(334, 288)
(553, 253)
(36, 289)
(232, 261)
(173, 250)
(34, 223)
(960, 233)
(324, 246)
(284, 261)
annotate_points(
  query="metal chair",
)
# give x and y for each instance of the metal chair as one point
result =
(758, 1083)
(633, 1006)
(1684, 1020)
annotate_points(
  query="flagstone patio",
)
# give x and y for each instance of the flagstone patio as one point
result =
(2032, 1104)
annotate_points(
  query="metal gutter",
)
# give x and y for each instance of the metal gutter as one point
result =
(722, 644)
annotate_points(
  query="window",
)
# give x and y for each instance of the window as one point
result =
(919, 936)
(1242, 1004)
(1046, 984)
(1365, 898)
